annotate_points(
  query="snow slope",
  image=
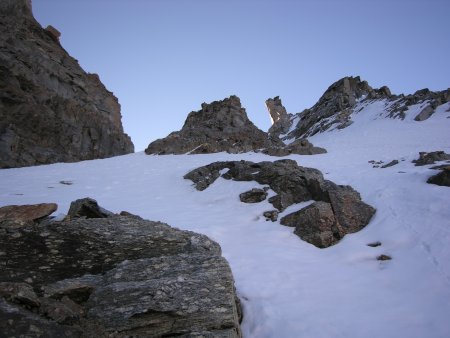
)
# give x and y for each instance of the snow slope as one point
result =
(288, 287)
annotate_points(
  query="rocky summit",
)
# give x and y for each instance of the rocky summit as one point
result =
(110, 276)
(343, 99)
(224, 126)
(338, 209)
(51, 110)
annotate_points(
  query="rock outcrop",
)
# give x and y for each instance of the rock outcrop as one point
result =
(281, 122)
(224, 126)
(442, 179)
(118, 276)
(348, 96)
(339, 212)
(50, 109)
(431, 157)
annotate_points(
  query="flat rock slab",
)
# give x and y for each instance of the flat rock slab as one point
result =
(22, 214)
(119, 276)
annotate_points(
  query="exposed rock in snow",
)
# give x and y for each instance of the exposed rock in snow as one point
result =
(350, 95)
(431, 157)
(223, 126)
(253, 196)
(340, 212)
(51, 110)
(281, 120)
(443, 178)
(117, 276)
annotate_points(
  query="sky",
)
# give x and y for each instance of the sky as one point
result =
(164, 58)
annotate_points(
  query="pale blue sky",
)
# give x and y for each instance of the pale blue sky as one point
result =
(163, 58)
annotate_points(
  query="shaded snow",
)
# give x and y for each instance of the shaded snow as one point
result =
(288, 287)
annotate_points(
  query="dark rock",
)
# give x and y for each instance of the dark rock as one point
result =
(384, 258)
(425, 113)
(51, 110)
(374, 244)
(334, 107)
(271, 215)
(442, 179)
(224, 126)
(390, 164)
(346, 97)
(218, 126)
(298, 147)
(315, 224)
(294, 184)
(88, 208)
(21, 215)
(426, 158)
(19, 293)
(117, 276)
(253, 196)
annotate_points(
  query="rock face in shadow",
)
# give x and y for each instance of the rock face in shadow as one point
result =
(224, 126)
(118, 276)
(442, 179)
(347, 97)
(51, 110)
(339, 209)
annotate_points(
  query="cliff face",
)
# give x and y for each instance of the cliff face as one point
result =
(51, 110)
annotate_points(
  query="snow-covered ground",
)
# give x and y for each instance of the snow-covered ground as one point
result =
(288, 287)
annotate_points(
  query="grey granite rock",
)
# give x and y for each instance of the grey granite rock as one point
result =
(118, 276)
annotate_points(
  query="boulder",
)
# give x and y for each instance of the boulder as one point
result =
(51, 110)
(315, 224)
(254, 195)
(442, 179)
(19, 215)
(87, 208)
(119, 276)
(431, 157)
(295, 184)
(425, 113)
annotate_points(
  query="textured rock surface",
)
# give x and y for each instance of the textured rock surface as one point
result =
(88, 208)
(50, 109)
(223, 126)
(442, 179)
(294, 184)
(26, 214)
(254, 195)
(345, 97)
(315, 224)
(119, 276)
(281, 121)
(431, 157)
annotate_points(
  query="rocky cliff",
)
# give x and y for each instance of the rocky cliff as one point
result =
(51, 110)
(347, 97)
(224, 126)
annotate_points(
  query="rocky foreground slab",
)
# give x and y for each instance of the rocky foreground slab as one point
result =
(115, 276)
